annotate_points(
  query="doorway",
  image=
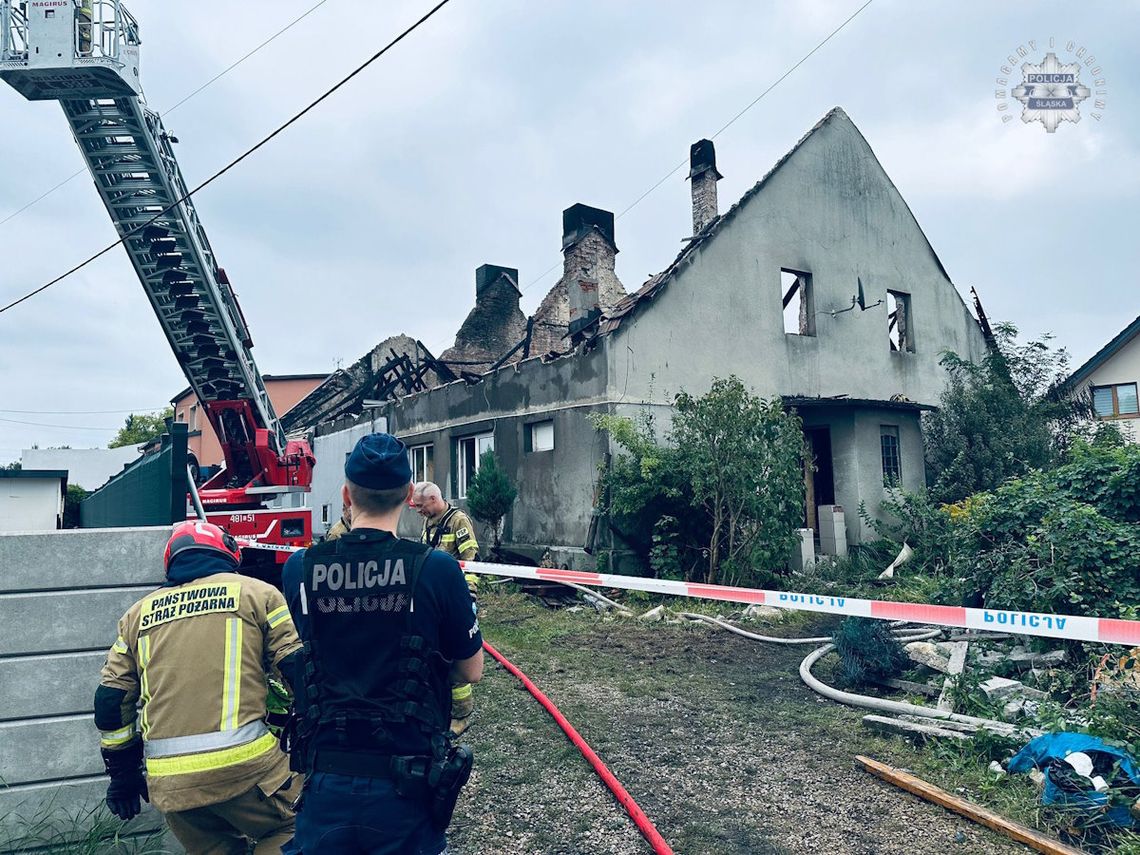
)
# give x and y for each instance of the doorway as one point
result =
(819, 475)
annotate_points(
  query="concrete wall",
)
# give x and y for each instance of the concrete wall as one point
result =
(829, 210)
(61, 595)
(556, 487)
(30, 504)
(88, 467)
(331, 447)
(1123, 367)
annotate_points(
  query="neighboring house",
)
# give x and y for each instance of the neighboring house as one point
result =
(89, 468)
(32, 499)
(817, 286)
(285, 390)
(1111, 375)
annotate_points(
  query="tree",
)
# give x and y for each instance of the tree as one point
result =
(75, 495)
(490, 495)
(14, 466)
(1003, 417)
(722, 498)
(743, 457)
(141, 427)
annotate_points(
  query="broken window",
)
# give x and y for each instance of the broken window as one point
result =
(539, 436)
(799, 302)
(900, 330)
(892, 462)
(468, 450)
(1118, 400)
(421, 458)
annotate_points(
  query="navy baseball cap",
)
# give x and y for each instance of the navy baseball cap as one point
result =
(379, 462)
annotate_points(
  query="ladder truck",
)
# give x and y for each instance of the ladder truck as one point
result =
(85, 54)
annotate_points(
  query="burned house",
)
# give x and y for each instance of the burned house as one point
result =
(817, 286)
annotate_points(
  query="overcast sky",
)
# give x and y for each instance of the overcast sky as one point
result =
(464, 144)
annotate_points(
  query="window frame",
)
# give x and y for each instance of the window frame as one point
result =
(890, 441)
(426, 451)
(529, 445)
(480, 443)
(1116, 413)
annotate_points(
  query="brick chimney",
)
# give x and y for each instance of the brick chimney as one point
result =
(703, 174)
(589, 251)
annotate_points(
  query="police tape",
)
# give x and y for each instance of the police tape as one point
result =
(1069, 627)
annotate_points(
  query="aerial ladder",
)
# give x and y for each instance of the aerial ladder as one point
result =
(85, 54)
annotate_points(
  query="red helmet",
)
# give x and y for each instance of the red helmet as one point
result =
(193, 534)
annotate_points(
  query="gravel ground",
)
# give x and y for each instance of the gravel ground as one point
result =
(714, 736)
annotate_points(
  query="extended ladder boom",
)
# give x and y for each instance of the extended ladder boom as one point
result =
(85, 54)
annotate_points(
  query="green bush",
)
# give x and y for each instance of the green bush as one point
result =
(490, 495)
(720, 499)
(867, 651)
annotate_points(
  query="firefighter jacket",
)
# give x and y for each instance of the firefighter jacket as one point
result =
(197, 655)
(338, 529)
(452, 532)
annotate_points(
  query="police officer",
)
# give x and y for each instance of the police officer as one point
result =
(448, 528)
(196, 652)
(388, 627)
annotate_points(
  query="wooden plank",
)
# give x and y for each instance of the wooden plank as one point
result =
(911, 729)
(971, 811)
(954, 670)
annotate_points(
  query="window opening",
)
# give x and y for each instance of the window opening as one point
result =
(540, 436)
(899, 325)
(1117, 400)
(892, 462)
(798, 302)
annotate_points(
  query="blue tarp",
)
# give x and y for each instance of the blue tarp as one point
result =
(1042, 751)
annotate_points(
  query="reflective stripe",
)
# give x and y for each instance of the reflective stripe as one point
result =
(211, 760)
(447, 538)
(205, 741)
(458, 693)
(120, 646)
(121, 736)
(278, 615)
(144, 660)
(231, 683)
(468, 544)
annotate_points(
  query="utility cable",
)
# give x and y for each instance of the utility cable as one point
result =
(85, 412)
(257, 146)
(170, 110)
(724, 127)
(69, 427)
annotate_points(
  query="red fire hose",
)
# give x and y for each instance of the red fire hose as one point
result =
(647, 829)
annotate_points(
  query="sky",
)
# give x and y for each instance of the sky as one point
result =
(464, 144)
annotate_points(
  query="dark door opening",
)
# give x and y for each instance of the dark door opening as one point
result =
(819, 476)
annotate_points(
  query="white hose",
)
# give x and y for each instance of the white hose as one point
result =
(913, 634)
(591, 592)
(899, 707)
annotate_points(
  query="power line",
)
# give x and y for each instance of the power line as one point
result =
(68, 427)
(724, 127)
(178, 104)
(85, 412)
(327, 94)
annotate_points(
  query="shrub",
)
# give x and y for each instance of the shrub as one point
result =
(490, 495)
(867, 651)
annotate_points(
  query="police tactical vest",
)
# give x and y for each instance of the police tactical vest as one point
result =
(366, 671)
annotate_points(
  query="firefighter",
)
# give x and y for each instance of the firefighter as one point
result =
(83, 20)
(387, 627)
(341, 526)
(195, 651)
(446, 527)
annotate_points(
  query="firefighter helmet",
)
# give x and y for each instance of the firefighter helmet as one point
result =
(193, 534)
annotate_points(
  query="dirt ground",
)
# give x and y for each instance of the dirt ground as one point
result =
(715, 737)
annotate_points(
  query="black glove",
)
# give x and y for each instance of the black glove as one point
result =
(127, 782)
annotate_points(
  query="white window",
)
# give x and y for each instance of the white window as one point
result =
(540, 436)
(468, 450)
(325, 514)
(194, 418)
(421, 458)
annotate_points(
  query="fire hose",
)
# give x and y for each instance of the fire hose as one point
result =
(644, 825)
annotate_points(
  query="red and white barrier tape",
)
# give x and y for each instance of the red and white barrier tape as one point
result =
(1070, 627)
